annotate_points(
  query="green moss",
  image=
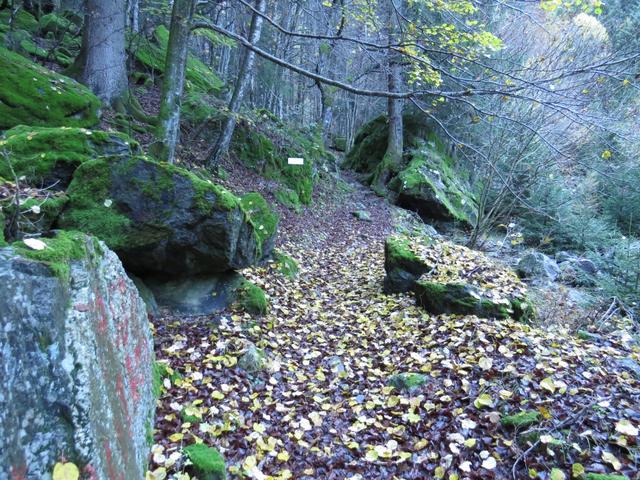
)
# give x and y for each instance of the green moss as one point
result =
(521, 419)
(56, 25)
(3, 242)
(60, 252)
(152, 54)
(252, 299)
(189, 418)
(160, 371)
(398, 251)
(208, 463)
(37, 152)
(266, 149)
(253, 360)
(41, 213)
(288, 198)
(261, 217)
(600, 476)
(89, 209)
(33, 95)
(457, 298)
(286, 265)
(22, 20)
(407, 381)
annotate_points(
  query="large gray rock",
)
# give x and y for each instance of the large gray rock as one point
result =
(75, 364)
(163, 219)
(537, 265)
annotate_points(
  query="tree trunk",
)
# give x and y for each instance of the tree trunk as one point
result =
(173, 80)
(102, 62)
(395, 144)
(221, 146)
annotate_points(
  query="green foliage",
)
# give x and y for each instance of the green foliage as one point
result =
(21, 20)
(208, 463)
(33, 95)
(3, 242)
(61, 250)
(407, 381)
(152, 54)
(36, 215)
(252, 299)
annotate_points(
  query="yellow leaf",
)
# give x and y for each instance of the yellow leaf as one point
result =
(283, 456)
(625, 427)
(483, 400)
(485, 363)
(65, 471)
(611, 458)
(557, 474)
(548, 384)
(176, 437)
(371, 456)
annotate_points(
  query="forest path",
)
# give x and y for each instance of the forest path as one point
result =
(322, 407)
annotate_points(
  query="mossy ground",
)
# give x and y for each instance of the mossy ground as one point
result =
(208, 463)
(252, 299)
(407, 381)
(33, 95)
(288, 198)
(60, 251)
(265, 145)
(521, 419)
(286, 265)
(152, 54)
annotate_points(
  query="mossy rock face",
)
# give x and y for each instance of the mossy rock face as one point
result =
(461, 299)
(20, 20)
(403, 267)
(288, 198)
(262, 218)
(429, 186)
(427, 180)
(252, 299)
(48, 157)
(152, 54)
(207, 462)
(521, 419)
(265, 145)
(36, 215)
(162, 219)
(33, 95)
(3, 242)
(407, 381)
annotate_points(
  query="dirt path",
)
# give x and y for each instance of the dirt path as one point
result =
(322, 407)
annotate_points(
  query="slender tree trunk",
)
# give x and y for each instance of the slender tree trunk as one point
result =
(221, 146)
(102, 62)
(395, 144)
(173, 80)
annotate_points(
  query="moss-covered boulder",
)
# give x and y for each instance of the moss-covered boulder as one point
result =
(427, 180)
(450, 278)
(48, 157)
(152, 53)
(429, 186)
(402, 265)
(33, 95)
(162, 219)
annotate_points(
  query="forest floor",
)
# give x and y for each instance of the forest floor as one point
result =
(322, 408)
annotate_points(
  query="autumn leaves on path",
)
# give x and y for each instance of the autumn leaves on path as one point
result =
(319, 403)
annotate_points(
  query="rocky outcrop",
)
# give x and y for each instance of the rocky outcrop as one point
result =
(537, 265)
(448, 278)
(427, 181)
(163, 219)
(76, 362)
(33, 95)
(48, 157)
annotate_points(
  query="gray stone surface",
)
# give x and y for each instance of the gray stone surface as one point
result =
(198, 295)
(535, 264)
(76, 368)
